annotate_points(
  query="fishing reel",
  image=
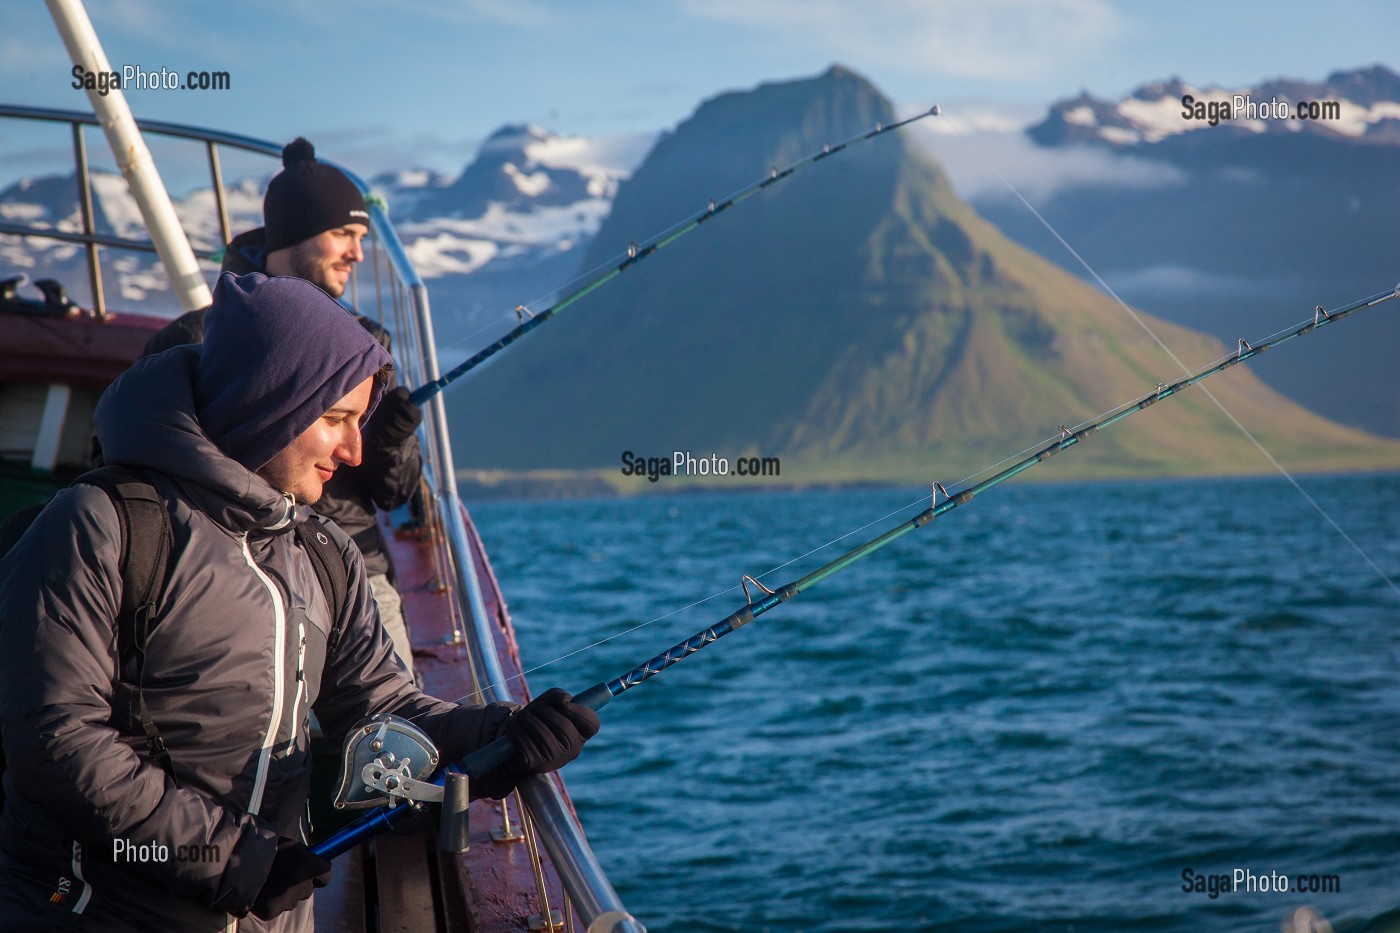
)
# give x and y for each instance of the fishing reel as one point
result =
(387, 760)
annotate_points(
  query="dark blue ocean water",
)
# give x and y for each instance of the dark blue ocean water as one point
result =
(1034, 714)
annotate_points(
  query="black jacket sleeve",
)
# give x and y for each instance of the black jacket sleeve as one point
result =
(393, 458)
(392, 463)
(363, 677)
(187, 328)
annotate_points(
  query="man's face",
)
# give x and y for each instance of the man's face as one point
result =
(326, 259)
(305, 466)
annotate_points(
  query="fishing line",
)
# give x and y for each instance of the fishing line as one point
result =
(699, 602)
(958, 485)
(1142, 323)
(496, 753)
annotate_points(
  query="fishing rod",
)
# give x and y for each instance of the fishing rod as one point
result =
(498, 752)
(638, 252)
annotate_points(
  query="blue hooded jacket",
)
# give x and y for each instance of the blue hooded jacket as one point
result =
(239, 651)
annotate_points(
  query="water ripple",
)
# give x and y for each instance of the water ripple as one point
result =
(981, 728)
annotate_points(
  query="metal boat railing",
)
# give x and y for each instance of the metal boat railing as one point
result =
(578, 868)
(584, 880)
(88, 237)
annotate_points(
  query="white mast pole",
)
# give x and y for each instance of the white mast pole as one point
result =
(133, 158)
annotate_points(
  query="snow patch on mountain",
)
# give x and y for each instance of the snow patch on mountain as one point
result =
(1360, 121)
(1363, 105)
(531, 185)
(443, 253)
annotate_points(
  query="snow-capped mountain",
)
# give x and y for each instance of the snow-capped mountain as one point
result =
(528, 197)
(1230, 229)
(131, 277)
(1362, 105)
(1239, 228)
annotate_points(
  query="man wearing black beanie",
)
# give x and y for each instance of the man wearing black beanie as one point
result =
(314, 220)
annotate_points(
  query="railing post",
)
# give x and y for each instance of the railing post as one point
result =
(99, 305)
(584, 880)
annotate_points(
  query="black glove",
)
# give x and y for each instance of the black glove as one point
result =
(296, 870)
(394, 419)
(548, 732)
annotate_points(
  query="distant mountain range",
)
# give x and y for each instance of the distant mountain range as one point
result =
(861, 321)
(130, 277)
(857, 322)
(527, 195)
(1367, 110)
(504, 231)
(1250, 224)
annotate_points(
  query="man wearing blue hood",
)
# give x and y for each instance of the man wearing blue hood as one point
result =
(238, 435)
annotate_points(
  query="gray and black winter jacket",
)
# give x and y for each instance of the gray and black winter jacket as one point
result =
(236, 661)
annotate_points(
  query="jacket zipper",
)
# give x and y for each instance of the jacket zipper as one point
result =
(302, 692)
(301, 679)
(274, 723)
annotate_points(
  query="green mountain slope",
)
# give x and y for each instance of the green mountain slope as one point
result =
(859, 322)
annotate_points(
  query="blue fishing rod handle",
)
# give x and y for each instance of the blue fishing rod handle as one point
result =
(424, 392)
(375, 823)
(595, 697)
(482, 761)
(490, 757)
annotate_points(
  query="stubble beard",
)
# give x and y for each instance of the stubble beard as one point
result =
(306, 265)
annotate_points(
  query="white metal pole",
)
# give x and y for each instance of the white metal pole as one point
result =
(133, 158)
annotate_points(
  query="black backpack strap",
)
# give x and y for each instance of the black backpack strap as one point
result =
(330, 571)
(147, 543)
(14, 527)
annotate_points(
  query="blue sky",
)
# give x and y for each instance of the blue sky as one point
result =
(379, 84)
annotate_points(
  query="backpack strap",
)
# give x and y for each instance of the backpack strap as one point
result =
(330, 571)
(147, 542)
(14, 527)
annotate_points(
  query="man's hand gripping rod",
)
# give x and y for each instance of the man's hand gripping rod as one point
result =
(378, 768)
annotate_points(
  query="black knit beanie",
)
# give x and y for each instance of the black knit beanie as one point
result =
(277, 354)
(308, 197)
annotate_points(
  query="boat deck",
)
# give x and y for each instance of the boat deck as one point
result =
(403, 882)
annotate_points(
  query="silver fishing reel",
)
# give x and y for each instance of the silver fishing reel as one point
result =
(387, 759)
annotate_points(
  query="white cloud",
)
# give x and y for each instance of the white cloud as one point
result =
(965, 117)
(522, 14)
(997, 39)
(1169, 280)
(974, 159)
(610, 155)
(21, 56)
